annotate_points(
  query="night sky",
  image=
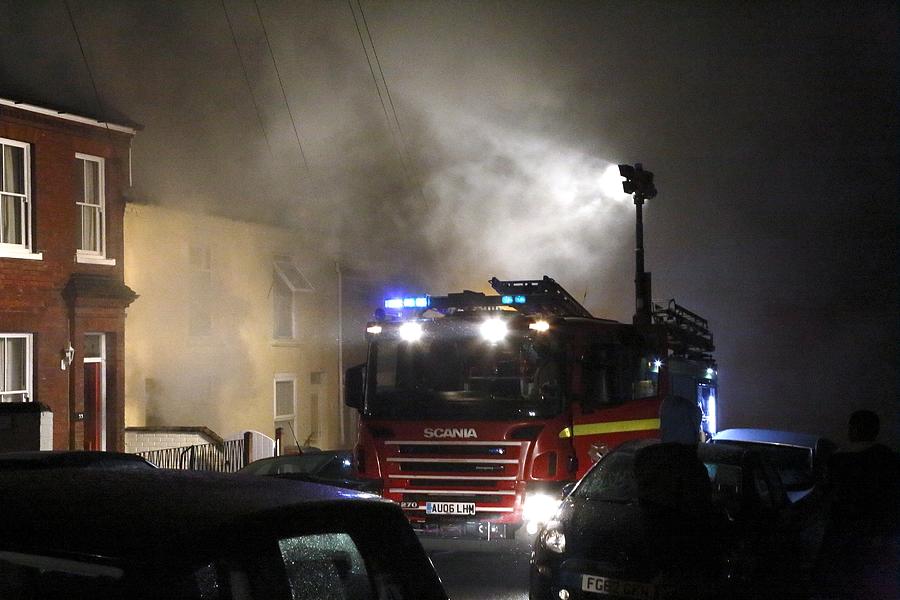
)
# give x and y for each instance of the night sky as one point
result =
(771, 128)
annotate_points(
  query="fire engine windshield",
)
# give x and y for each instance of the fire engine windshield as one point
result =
(458, 374)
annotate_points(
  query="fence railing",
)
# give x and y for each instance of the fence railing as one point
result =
(227, 457)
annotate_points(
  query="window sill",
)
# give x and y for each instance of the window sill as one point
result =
(23, 254)
(95, 260)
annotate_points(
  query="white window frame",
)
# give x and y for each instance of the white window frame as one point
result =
(29, 366)
(292, 417)
(24, 250)
(96, 257)
(286, 270)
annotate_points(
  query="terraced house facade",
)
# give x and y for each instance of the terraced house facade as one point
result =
(62, 290)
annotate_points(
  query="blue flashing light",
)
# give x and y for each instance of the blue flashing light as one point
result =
(520, 299)
(506, 299)
(411, 302)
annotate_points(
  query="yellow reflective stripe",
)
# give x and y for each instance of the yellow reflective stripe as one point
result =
(611, 427)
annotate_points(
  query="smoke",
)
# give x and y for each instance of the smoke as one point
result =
(513, 204)
(771, 129)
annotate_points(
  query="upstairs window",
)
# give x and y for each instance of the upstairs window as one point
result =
(15, 367)
(15, 199)
(90, 199)
(286, 279)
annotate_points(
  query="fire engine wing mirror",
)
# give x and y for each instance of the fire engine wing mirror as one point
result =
(355, 387)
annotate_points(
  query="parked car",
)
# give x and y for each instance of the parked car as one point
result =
(603, 542)
(158, 533)
(801, 459)
(330, 467)
(76, 459)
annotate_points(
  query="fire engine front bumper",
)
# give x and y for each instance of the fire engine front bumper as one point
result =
(470, 529)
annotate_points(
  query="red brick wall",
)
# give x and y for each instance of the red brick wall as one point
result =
(30, 290)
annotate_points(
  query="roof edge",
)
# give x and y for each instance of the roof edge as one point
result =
(69, 116)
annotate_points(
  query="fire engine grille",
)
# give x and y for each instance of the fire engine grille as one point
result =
(480, 472)
(455, 450)
(454, 483)
(449, 468)
(462, 497)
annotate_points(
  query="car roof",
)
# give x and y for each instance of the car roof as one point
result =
(769, 436)
(121, 512)
(720, 453)
(41, 459)
(288, 458)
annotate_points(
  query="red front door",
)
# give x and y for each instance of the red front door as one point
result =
(93, 406)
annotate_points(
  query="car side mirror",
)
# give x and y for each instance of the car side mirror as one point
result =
(355, 387)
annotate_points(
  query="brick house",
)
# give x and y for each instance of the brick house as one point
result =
(62, 290)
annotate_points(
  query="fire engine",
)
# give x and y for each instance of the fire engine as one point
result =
(476, 409)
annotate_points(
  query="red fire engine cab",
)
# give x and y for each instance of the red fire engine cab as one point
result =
(476, 409)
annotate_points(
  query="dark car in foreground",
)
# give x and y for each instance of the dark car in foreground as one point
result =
(154, 533)
(801, 459)
(72, 459)
(604, 543)
(330, 467)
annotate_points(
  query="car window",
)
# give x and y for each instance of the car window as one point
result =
(325, 566)
(304, 463)
(793, 463)
(727, 486)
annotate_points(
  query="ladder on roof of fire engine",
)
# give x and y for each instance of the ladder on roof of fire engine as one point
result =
(542, 296)
(689, 333)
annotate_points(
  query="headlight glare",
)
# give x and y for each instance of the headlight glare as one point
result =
(539, 507)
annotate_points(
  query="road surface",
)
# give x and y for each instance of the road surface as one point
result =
(478, 570)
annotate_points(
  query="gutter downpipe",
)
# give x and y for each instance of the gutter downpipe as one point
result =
(340, 341)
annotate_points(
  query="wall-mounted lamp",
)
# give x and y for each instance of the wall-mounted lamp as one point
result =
(67, 355)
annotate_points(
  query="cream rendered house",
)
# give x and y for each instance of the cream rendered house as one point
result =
(236, 329)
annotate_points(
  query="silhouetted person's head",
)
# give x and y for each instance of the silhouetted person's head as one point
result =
(679, 420)
(863, 427)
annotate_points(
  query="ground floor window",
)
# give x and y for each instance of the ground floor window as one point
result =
(15, 367)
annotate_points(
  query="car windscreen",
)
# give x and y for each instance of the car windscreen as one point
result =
(611, 480)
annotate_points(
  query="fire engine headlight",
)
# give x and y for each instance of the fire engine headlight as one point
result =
(410, 331)
(539, 326)
(493, 330)
(553, 538)
(539, 508)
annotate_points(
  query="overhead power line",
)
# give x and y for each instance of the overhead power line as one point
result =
(87, 65)
(237, 49)
(392, 119)
(283, 93)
